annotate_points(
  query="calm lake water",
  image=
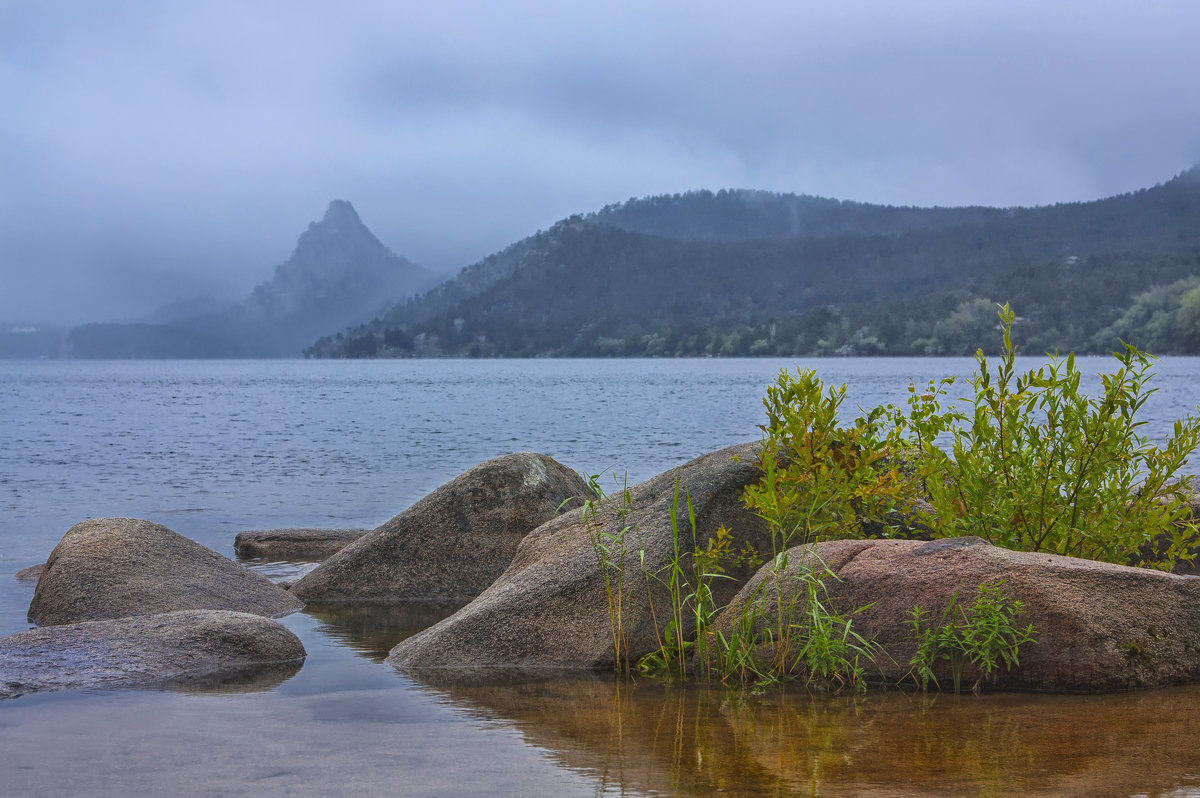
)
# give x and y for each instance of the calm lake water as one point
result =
(212, 448)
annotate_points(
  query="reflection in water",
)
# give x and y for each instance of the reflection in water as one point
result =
(372, 630)
(645, 737)
(259, 679)
(279, 571)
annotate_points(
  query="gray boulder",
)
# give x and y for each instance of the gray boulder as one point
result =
(308, 545)
(1099, 626)
(453, 543)
(176, 648)
(117, 567)
(550, 609)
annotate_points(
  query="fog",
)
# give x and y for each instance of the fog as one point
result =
(152, 151)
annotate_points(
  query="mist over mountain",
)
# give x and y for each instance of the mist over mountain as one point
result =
(185, 309)
(739, 273)
(338, 274)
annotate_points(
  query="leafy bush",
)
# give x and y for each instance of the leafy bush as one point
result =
(1032, 464)
(1040, 466)
(819, 478)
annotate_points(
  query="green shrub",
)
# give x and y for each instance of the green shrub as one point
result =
(985, 637)
(819, 478)
(1033, 463)
(1037, 465)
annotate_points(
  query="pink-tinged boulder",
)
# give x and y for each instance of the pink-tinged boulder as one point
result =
(453, 543)
(550, 609)
(1099, 626)
(117, 567)
(183, 648)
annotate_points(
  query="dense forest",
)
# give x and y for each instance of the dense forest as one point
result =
(741, 273)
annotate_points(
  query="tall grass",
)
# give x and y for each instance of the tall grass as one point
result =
(610, 551)
(782, 633)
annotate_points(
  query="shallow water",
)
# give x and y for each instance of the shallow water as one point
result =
(211, 448)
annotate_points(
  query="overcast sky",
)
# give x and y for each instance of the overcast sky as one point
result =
(157, 150)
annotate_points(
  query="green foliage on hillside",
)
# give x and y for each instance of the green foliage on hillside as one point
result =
(1164, 318)
(737, 274)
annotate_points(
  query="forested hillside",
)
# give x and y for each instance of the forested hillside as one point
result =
(740, 273)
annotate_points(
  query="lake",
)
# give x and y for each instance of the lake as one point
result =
(211, 448)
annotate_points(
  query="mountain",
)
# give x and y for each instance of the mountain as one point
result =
(339, 274)
(738, 273)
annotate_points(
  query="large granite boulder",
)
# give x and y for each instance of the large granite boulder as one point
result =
(116, 567)
(308, 545)
(550, 609)
(173, 648)
(1099, 626)
(453, 543)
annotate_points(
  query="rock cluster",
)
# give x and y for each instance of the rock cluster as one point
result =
(127, 602)
(124, 602)
(543, 576)
(1099, 626)
(550, 609)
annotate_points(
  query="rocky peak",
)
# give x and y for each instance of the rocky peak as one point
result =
(339, 273)
(340, 221)
(336, 241)
(339, 211)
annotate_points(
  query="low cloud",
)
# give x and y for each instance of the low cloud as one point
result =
(160, 150)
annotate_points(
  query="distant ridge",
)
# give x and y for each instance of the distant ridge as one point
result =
(338, 274)
(747, 273)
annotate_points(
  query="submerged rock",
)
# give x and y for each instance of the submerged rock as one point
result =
(310, 545)
(454, 542)
(1099, 626)
(30, 575)
(117, 567)
(174, 648)
(550, 609)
